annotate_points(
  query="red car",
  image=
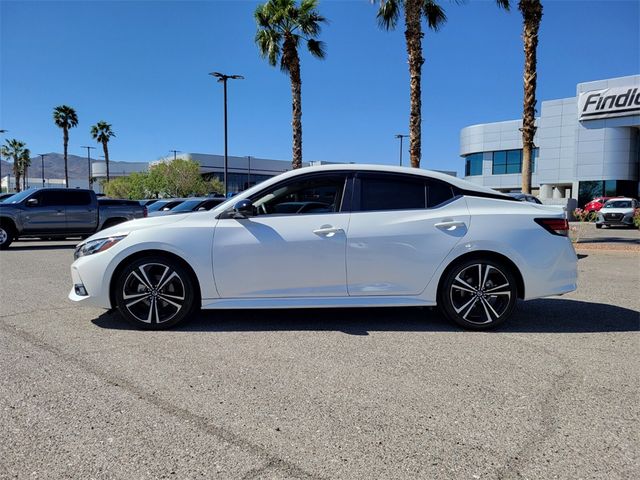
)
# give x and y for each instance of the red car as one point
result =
(596, 204)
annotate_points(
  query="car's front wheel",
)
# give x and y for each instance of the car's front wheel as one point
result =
(6, 236)
(478, 294)
(154, 293)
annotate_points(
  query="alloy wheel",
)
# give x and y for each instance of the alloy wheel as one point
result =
(153, 293)
(480, 294)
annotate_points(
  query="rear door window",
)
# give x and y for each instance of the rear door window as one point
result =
(75, 198)
(391, 192)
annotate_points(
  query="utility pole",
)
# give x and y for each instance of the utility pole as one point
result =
(175, 152)
(42, 155)
(400, 136)
(88, 163)
(223, 78)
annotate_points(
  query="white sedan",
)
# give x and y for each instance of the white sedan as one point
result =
(334, 236)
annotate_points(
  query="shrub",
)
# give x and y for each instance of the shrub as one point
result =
(584, 216)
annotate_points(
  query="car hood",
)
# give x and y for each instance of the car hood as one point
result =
(134, 225)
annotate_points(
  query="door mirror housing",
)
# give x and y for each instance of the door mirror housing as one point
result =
(244, 209)
(32, 202)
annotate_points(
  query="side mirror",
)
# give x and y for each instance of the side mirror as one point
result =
(32, 202)
(244, 209)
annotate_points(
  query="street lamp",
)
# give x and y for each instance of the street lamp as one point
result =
(42, 155)
(400, 136)
(2, 132)
(89, 163)
(223, 78)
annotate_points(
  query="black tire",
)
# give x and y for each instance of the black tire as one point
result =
(155, 293)
(478, 294)
(598, 225)
(7, 235)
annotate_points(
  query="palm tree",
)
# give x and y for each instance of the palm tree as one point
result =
(25, 163)
(388, 16)
(531, 16)
(281, 26)
(65, 117)
(15, 149)
(101, 133)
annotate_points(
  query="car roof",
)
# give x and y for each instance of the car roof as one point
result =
(458, 182)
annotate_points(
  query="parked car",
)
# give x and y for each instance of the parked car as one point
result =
(147, 202)
(388, 236)
(525, 197)
(61, 212)
(596, 204)
(164, 204)
(4, 196)
(191, 205)
(618, 211)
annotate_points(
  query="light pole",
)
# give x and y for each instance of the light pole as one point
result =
(175, 152)
(42, 155)
(2, 132)
(89, 163)
(223, 78)
(400, 136)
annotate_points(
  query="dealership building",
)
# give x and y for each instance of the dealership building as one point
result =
(586, 146)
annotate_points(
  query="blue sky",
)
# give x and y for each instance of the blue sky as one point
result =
(142, 66)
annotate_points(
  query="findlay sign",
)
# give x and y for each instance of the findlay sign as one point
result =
(609, 102)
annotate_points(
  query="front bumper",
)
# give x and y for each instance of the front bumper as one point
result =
(88, 273)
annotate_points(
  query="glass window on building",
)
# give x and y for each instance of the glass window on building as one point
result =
(510, 161)
(473, 164)
(499, 163)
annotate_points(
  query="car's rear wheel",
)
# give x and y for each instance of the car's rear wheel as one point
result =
(478, 294)
(7, 235)
(598, 225)
(155, 293)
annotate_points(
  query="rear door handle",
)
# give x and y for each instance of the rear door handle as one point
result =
(452, 225)
(327, 230)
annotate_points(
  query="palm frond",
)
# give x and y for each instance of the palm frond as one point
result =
(316, 48)
(389, 14)
(434, 14)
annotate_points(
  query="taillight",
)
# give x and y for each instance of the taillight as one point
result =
(145, 212)
(555, 226)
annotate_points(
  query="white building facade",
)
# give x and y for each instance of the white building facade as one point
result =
(586, 146)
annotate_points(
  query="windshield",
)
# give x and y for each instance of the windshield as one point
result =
(18, 197)
(157, 205)
(618, 204)
(187, 205)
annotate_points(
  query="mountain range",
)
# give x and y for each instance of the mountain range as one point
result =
(54, 166)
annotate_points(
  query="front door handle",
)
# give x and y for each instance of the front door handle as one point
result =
(327, 231)
(452, 225)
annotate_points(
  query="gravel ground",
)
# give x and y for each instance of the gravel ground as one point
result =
(354, 394)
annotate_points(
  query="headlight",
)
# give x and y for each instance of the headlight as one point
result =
(95, 246)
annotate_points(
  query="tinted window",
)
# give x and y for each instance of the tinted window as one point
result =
(439, 192)
(77, 198)
(316, 194)
(50, 198)
(391, 192)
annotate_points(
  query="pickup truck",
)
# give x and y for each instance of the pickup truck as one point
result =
(61, 212)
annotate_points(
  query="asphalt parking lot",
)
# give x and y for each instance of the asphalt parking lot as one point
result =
(336, 394)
